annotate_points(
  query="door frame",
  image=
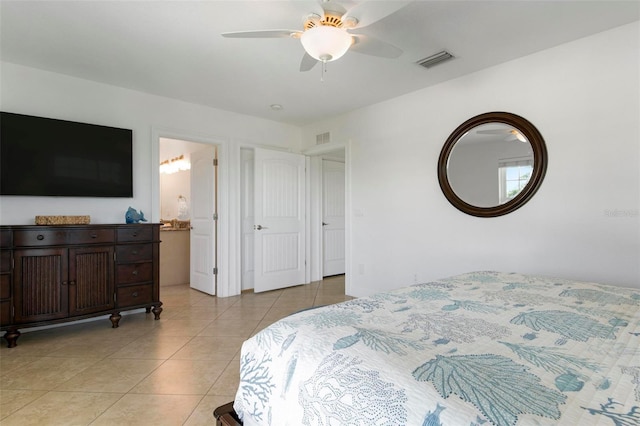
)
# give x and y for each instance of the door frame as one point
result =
(229, 223)
(228, 284)
(314, 212)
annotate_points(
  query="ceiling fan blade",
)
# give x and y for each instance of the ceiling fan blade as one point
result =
(368, 45)
(263, 34)
(318, 7)
(512, 134)
(307, 62)
(369, 12)
(494, 132)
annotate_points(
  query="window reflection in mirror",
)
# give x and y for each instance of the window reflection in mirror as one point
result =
(514, 174)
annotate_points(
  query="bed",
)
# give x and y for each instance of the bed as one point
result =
(483, 348)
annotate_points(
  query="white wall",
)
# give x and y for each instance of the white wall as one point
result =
(30, 91)
(35, 92)
(583, 223)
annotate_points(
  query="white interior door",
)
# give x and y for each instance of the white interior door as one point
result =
(279, 210)
(333, 229)
(203, 224)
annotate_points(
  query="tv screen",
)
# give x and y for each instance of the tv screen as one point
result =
(48, 157)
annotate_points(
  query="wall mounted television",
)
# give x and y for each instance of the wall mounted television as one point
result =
(48, 157)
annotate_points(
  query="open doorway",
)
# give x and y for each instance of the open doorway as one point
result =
(333, 217)
(188, 210)
(329, 223)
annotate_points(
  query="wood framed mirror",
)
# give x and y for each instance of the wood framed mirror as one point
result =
(492, 164)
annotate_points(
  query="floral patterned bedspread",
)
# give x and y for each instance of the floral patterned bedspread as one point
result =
(484, 348)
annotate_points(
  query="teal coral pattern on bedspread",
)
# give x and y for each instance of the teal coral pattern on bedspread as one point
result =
(484, 348)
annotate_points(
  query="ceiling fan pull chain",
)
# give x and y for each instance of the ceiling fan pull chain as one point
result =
(323, 69)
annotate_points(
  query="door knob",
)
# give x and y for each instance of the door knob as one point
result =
(324, 224)
(259, 227)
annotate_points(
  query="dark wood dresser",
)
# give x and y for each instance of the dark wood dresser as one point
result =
(52, 274)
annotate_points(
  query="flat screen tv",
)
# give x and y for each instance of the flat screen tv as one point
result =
(48, 157)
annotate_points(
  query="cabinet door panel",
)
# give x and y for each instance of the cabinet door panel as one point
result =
(40, 282)
(5, 286)
(5, 312)
(90, 280)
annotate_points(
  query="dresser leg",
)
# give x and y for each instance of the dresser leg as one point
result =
(157, 310)
(115, 319)
(11, 336)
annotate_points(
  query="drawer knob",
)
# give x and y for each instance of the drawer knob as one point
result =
(94, 236)
(135, 272)
(135, 234)
(135, 252)
(40, 237)
(134, 294)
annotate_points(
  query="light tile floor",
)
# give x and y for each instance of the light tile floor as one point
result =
(174, 371)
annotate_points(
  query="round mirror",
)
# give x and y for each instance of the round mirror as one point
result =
(492, 164)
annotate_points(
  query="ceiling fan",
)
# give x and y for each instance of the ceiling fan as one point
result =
(326, 32)
(510, 134)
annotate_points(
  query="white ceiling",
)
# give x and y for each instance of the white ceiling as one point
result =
(174, 48)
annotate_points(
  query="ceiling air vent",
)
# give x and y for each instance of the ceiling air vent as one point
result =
(323, 138)
(436, 59)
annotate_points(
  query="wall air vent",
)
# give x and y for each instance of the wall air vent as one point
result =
(436, 59)
(323, 138)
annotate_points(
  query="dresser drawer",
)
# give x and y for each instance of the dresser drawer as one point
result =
(5, 261)
(134, 253)
(5, 238)
(90, 236)
(133, 233)
(134, 295)
(134, 273)
(51, 237)
(5, 286)
(40, 237)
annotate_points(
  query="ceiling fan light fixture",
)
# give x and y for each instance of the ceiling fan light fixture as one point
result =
(519, 136)
(326, 43)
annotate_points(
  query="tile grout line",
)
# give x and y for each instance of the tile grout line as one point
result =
(222, 315)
